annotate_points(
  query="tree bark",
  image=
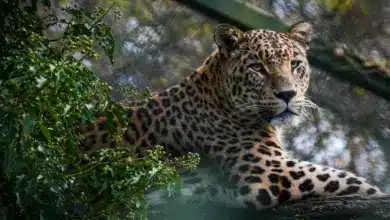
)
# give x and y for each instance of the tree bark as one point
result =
(337, 208)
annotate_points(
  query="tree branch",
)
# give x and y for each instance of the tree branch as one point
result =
(337, 208)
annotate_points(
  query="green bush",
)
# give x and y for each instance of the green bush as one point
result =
(45, 95)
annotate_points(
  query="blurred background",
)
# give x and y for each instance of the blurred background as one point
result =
(160, 42)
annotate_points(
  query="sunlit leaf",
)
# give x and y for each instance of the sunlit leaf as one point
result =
(89, 106)
(154, 171)
(135, 179)
(52, 67)
(41, 80)
(359, 91)
(66, 109)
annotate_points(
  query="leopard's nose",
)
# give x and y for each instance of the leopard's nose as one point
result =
(286, 95)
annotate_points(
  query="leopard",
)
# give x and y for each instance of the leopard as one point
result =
(230, 111)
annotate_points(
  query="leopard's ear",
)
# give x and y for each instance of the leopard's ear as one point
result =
(302, 32)
(227, 37)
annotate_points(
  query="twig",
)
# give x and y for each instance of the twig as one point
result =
(103, 15)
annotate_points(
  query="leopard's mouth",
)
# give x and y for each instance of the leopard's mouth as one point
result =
(286, 113)
(285, 117)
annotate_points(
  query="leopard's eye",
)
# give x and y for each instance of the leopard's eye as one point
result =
(295, 63)
(257, 67)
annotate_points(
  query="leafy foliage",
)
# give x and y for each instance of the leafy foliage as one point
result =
(46, 93)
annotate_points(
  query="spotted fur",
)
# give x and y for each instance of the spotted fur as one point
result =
(229, 110)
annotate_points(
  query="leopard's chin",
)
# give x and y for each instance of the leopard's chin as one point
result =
(284, 120)
(287, 117)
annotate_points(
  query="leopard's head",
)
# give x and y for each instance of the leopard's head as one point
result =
(266, 73)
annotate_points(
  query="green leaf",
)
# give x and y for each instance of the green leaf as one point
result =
(111, 122)
(28, 124)
(154, 171)
(41, 80)
(66, 109)
(89, 106)
(118, 111)
(41, 215)
(18, 200)
(45, 132)
(107, 42)
(45, 95)
(137, 203)
(88, 116)
(135, 179)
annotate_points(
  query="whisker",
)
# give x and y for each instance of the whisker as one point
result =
(309, 108)
(256, 108)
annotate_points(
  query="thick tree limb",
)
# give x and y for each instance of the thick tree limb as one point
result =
(338, 208)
